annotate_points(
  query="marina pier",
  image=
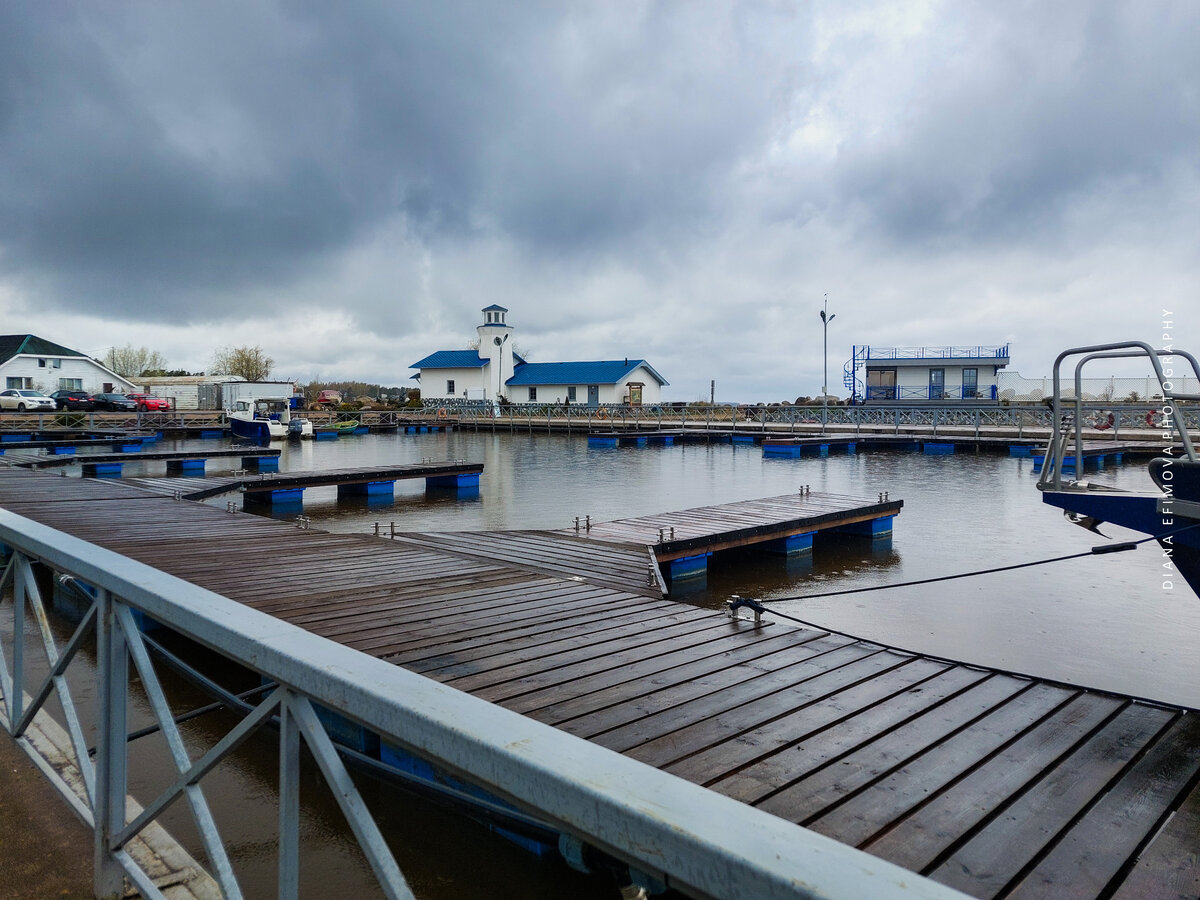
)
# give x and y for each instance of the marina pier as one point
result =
(987, 781)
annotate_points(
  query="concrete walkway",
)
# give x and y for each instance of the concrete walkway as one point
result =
(45, 850)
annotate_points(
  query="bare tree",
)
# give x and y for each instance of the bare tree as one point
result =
(130, 361)
(250, 363)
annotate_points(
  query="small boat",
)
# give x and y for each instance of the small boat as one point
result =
(1170, 512)
(347, 427)
(263, 420)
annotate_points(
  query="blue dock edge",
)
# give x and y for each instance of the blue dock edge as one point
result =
(186, 466)
(873, 528)
(369, 489)
(283, 497)
(934, 448)
(792, 545)
(467, 480)
(688, 567)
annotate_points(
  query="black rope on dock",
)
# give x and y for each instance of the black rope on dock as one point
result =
(1094, 551)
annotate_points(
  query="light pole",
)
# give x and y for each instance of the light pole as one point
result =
(825, 320)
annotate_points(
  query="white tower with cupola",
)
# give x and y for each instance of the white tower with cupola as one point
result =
(496, 346)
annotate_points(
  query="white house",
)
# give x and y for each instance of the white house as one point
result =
(494, 371)
(925, 374)
(28, 362)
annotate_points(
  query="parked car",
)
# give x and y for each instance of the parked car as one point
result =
(329, 398)
(25, 400)
(149, 401)
(72, 400)
(114, 402)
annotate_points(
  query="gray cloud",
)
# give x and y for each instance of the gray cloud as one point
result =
(676, 179)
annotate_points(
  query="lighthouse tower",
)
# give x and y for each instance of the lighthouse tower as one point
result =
(495, 345)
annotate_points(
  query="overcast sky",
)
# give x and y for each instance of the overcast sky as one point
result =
(347, 185)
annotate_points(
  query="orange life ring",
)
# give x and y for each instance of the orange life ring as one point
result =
(601, 413)
(442, 413)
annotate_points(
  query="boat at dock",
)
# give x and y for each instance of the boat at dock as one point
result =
(1171, 513)
(262, 420)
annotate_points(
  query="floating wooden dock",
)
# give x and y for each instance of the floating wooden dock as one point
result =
(182, 461)
(288, 488)
(684, 539)
(997, 784)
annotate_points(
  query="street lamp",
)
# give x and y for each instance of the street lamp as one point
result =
(825, 320)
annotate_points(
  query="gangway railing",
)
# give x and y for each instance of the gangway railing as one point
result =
(1067, 433)
(690, 838)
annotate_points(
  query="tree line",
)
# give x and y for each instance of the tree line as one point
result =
(250, 363)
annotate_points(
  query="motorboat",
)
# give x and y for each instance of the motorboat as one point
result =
(263, 420)
(1170, 513)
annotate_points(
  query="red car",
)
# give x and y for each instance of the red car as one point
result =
(149, 401)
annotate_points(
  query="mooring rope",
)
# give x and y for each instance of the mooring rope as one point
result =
(1094, 551)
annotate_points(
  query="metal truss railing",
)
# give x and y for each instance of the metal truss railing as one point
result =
(692, 839)
(894, 418)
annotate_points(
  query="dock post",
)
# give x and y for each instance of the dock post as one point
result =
(260, 463)
(466, 480)
(873, 528)
(370, 489)
(687, 567)
(284, 497)
(102, 470)
(185, 466)
(792, 545)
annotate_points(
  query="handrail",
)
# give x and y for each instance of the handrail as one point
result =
(1051, 477)
(694, 839)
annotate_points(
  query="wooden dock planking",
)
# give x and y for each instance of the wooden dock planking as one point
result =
(860, 816)
(619, 684)
(994, 783)
(729, 525)
(628, 567)
(782, 750)
(1170, 866)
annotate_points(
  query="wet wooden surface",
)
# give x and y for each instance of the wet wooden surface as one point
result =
(997, 784)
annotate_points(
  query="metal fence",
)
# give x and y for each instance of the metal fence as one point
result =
(690, 838)
(788, 419)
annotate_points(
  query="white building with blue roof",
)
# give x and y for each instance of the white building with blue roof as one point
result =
(494, 371)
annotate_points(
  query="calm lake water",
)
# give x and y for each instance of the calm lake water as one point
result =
(1102, 621)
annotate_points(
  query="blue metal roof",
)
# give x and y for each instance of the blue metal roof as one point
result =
(600, 372)
(494, 308)
(451, 359)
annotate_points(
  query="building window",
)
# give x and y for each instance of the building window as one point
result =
(449, 387)
(532, 394)
(41, 363)
(19, 384)
(970, 384)
(571, 393)
(57, 363)
(881, 384)
(70, 384)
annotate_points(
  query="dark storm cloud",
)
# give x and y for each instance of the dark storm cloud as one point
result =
(1024, 109)
(180, 153)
